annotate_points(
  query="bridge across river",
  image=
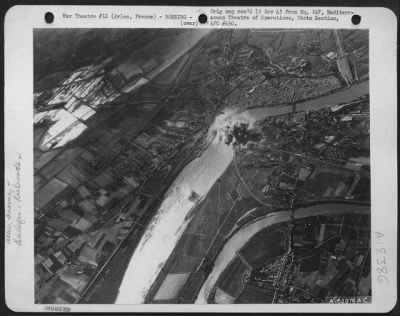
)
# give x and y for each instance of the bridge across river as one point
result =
(170, 221)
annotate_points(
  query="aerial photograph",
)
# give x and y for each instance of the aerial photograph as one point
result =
(201, 166)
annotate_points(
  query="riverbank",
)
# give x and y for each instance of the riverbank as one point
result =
(243, 235)
(171, 220)
(342, 96)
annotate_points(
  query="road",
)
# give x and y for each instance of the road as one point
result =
(247, 187)
(244, 234)
(119, 252)
(99, 171)
(184, 160)
(128, 287)
(267, 112)
(305, 157)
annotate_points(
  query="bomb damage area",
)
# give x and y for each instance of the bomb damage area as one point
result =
(201, 166)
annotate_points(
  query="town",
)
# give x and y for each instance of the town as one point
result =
(113, 133)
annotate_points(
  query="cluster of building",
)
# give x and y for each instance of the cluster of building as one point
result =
(258, 91)
(287, 90)
(330, 258)
(335, 152)
(288, 64)
(276, 76)
(265, 79)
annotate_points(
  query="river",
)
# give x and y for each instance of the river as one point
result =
(240, 238)
(345, 95)
(171, 220)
